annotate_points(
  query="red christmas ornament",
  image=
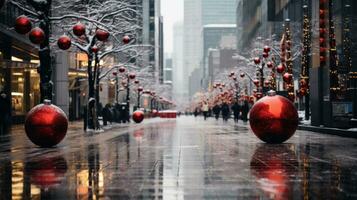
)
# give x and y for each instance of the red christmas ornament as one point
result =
(256, 82)
(95, 49)
(267, 83)
(115, 73)
(64, 42)
(140, 89)
(122, 69)
(136, 81)
(46, 125)
(303, 83)
(274, 119)
(138, 116)
(102, 35)
(270, 65)
(287, 77)
(37, 36)
(281, 68)
(242, 75)
(272, 170)
(257, 60)
(322, 40)
(232, 74)
(132, 76)
(126, 39)
(235, 78)
(266, 49)
(23, 25)
(265, 55)
(79, 29)
(47, 172)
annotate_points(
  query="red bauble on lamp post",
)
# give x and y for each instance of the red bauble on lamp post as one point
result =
(79, 29)
(126, 39)
(102, 35)
(23, 25)
(273, 119)
(64, 42)
(36, 35)
(46, 125)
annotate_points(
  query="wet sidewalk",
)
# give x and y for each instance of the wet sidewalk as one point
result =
(187, 158)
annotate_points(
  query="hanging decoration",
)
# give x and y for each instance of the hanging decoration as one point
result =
(289, 84)
(305, 57)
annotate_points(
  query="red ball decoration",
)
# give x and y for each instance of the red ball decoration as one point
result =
(257, 61)
(281, 68)
(274, 119)
(267, 83)
(64, 42)
(287, 77)
(126, 39)
(95, 49)
(136, 81)
(242, 75)
(256, 82)
(234, 78)
(266, 49)
(37, 36)
(270, 65)
(47, 172)
(122, 69)
(265, 55)
(23, 25)
(303, 83)
(102, 35)
(232, 74)
(138, 116)
(79, 29)
(46, 125)
(140, 89)
(132, 76)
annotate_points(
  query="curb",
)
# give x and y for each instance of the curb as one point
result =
(331, 131)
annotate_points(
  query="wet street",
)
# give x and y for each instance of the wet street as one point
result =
(187, 158)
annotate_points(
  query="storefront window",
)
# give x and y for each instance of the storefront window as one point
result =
(34, 94)
(17, 91)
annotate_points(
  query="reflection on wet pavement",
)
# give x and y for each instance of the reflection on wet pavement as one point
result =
(183, 159)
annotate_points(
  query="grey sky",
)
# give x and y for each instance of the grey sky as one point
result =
(172, 11)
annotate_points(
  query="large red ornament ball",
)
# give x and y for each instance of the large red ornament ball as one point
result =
(138, 116)
(23, 24)
(47, 172)
(79, 29)
(37, 36)
(274, 119)
(102, 35)
(126, 39)
(64, 42)
(46, 125)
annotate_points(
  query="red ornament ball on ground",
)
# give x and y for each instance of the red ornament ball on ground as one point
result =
(46, 125)
(138, 116)
(37, 36)
(274, 119)
(23, 25)
(64, 42)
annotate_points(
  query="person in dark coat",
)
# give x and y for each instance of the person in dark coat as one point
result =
(106, 113)
(5, 113)
(216, 111)
(236, 108)
(245, 111)
(225, 111)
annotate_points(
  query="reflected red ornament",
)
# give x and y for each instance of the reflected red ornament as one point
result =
(122, 69)
(266, 49)
(79, 29)
(132, 76)
(274, 119)
(102, 35)
(64, 42)
(138, 116)
(37, 36)
(287, 77)
(265, 55)
(281, 68)
(95, 49)
(257, 60)
(23, 24)
(47, 172)
(138, 134)
(273, 167)
(46, 125)
(126, 39)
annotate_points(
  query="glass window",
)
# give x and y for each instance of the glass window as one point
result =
(17, 91)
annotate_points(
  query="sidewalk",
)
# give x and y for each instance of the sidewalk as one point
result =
(332, 131)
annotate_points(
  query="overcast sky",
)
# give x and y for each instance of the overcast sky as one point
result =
(172, 11)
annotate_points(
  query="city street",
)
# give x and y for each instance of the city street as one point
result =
(187, 158)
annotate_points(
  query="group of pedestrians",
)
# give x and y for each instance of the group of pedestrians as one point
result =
(240, 110)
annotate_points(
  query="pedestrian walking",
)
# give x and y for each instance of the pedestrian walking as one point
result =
(236, 108)
(205, 109)
(5, 113)
(245, 111)
(225, 111)
(216, 111)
